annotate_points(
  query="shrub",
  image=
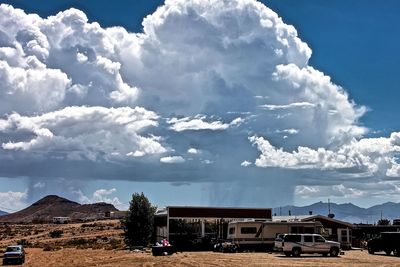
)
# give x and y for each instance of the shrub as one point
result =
(56, 233)
(24, 243)
(115, 243)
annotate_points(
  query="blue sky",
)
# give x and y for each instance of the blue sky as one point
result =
(210, 133)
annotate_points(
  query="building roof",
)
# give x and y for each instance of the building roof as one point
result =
(310, 218)
(215, 212)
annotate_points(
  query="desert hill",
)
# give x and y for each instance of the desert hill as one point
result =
(54, 206)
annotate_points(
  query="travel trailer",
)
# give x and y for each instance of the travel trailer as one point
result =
(260, 235)
(61, 219)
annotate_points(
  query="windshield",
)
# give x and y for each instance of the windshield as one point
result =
(13, 249)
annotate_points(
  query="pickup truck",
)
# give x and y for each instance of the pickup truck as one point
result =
(14, 254)
(387, 242)
(297, 244)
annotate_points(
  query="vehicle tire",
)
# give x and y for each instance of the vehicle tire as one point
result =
(388, 252)
(296, 252)
(396, 252)
(334, 252)
(287, 254)
(370, 250)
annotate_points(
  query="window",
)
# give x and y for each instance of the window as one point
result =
(295, 230)
(309, 230)
(13, 249)
(319, 239)
(308, 238)
(248, 230)
(232, 230)
(292, 238)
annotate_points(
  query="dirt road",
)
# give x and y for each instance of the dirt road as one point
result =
(100, 257)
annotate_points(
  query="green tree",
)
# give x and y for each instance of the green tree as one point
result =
(138, 225)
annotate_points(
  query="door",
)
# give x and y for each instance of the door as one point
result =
(320, 244)
(308, 244)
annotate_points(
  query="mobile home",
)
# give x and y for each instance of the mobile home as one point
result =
(260, 235)
(61, 219)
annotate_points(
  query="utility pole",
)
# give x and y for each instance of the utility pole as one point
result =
(329, 206)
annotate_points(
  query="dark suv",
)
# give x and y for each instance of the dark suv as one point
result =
(387, 242)
(14, 254)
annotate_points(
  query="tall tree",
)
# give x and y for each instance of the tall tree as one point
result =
(138, 225)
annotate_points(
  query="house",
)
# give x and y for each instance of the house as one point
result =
(335, 230)
(195, 227)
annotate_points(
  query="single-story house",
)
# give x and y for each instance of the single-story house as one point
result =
(335, 230)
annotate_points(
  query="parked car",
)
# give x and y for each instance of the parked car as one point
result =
(297, 244)
(387, 241)
(14, 254)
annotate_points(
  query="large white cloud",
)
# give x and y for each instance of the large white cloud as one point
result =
(11, 201)
(371, 156)
(74, 91)
(100, 195)
(62, 60)
(84, 132)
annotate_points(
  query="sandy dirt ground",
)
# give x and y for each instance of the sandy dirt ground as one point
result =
(97, 234)
(100, 257)
(100, 244)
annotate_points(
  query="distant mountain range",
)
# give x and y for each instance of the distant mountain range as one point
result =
(3, 213)
(54, 206)
(345, 212)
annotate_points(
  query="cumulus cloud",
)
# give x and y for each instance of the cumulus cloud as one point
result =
(100, 195)
(245, 163)
(394, 170)
(39, 185)
(196, 124)
(368, 155)
(193, 151)
(288, 106)
(338, 191)
(116, 105)
(84, 132)
(288, 131)
(11, 201)
(172, 159)
(47, 63)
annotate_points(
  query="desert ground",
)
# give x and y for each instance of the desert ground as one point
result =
(100, 244)
(101, 257)
(105, 234)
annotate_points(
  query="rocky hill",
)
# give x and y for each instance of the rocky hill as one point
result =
(3, 213)
(54, 206)
(346, 212)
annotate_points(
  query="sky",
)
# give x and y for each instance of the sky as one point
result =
(202, 102)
